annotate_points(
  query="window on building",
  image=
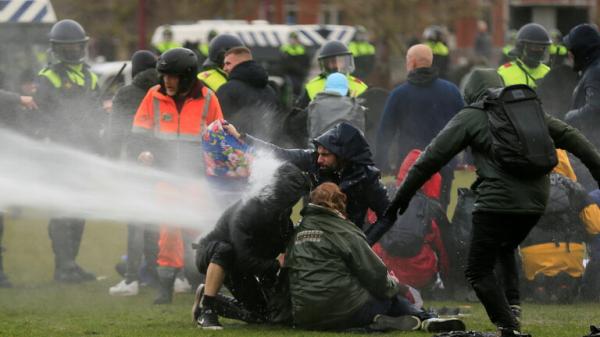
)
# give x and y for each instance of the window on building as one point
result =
(290, 10)
(329, 14)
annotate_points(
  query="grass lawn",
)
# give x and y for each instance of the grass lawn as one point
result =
(39, 307)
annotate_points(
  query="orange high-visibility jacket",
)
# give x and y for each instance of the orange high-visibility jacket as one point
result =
(158, 115)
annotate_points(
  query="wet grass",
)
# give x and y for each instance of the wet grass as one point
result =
(39, 307)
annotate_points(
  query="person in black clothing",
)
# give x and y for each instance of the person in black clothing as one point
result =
(241, 251)
(342, 156)
(247, 99)
(128, 98)
(583, 42)
(125, 103)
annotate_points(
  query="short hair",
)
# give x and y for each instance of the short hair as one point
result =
(241, 50)
(330, 196)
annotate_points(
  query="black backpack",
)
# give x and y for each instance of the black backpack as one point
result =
(406, 236)
(521, 143)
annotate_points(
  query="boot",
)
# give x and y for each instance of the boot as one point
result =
(166, 280)
(229, 307)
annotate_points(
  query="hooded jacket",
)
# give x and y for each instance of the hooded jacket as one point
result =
(358, 177)
(248, 101)
(333, 271)
(414, 113)
(125, 104)
(259, 228)
(497, 191)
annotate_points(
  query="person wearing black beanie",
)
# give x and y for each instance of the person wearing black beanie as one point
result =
(583, 43)
(141, 241)
(142, 60)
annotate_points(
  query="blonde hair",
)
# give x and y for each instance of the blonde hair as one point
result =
(330, 196)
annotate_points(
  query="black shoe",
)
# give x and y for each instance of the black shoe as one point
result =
(443, 325)
(84, 275)
(503, 332)
(196, 310)
(594, 332)
(209, 320)
(401, 323)
(67, 275)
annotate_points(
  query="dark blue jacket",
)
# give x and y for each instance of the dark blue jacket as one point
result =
(415, 111)
(358, 179)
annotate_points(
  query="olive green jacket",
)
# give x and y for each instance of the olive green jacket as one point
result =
(332, 270)
(497, 190)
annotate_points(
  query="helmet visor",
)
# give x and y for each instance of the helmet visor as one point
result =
(337, 64)
(69, 52)
(535, 53)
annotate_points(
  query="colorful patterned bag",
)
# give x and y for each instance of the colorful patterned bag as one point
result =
(224, 155)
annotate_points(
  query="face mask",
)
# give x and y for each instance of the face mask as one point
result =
(533, 58)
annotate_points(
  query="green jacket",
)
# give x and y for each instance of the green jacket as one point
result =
(332, 270)
(497, 191)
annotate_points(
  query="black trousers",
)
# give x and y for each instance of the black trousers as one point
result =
(66, 234)
(244, 287)
(495, 237)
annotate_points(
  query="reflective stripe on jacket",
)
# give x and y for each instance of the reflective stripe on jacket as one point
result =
(158, 114)
(516, 72)
(74, 75)
(213, 78)
(361, 48)
(316, 85)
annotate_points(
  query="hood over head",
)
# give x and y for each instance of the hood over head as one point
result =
(142, 60)
(288, 186)
(251, 73)
(584, 42)
(347, 143)
(479, 81)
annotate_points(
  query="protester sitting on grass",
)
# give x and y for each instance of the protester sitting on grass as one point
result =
(336, 280)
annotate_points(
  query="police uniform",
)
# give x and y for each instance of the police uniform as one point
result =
(440, 56)
(364, 57)
(516, 72)
(213, 78)
(163, 46)
(295, 63)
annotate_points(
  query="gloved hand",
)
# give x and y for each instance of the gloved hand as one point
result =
(397, 207)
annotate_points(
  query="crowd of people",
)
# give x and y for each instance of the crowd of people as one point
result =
(361, 255)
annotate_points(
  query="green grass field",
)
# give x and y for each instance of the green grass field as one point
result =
(39, 307)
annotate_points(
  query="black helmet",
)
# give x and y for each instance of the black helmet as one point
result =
(434, 33)
(532, 42)
(334, 56)
(533, 33)
(181, 62)
(218, 46)
(68, 41)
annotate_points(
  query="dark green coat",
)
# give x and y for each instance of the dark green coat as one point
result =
(332, 270)
(498, 191)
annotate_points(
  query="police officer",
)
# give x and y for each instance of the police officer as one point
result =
(434, 38)
(334, 57)
(213, 75)
(510, 40)
(67, 97)
(557, 50)
(295, 62)
(531, 49)
(203, 46)
(363, 52)
(167, 42)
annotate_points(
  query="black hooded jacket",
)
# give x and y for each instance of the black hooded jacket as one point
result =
(259, 228)
(125, 105)
(358, 178)
(584, 42)
(247, 100)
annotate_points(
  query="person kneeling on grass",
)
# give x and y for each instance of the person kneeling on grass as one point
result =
(337, 282)
(241, 253)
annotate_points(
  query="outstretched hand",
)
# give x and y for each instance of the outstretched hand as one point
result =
(230, 129)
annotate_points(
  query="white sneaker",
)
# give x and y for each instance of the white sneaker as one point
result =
(124, 289)
(182, 286)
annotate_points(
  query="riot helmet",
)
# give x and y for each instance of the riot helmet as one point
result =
(68, 41)
(334, 57)
(532, 44)
(218, 46)
(181, 62)
(434, 34)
